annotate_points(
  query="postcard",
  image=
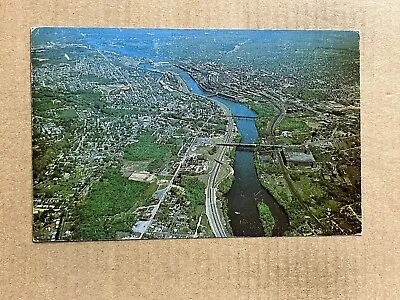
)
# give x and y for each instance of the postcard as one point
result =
(144, 133)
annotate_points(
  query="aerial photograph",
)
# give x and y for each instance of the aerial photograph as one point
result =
(142, 133)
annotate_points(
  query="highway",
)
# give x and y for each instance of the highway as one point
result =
(212, 212)
(213, 216)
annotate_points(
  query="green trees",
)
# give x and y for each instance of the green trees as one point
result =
(146, 149)
(267, 220)
(293, 124)
(157, 154)
(107, 209)
(194, 190)
(264, 114)
(194, 194)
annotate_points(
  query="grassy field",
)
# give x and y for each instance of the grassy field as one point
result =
(106, 210)
(68, 114)
(309, 95)
(145, 149)
(309, 188)
(264, 115)
(292, 124)
(272, 179)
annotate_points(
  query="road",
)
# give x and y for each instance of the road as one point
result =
(212, 212)
(167, 189)
(274, 122)
(170, 183)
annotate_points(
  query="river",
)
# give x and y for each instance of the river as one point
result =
(246, 190)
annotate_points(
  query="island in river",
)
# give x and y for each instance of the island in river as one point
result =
(167, 133)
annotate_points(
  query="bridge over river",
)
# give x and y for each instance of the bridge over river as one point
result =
(241, 117)
(247, 145)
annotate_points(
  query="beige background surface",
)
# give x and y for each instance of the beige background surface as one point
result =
(364, 267)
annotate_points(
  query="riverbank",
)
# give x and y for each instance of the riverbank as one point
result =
(271, 172)
(273, 185)
(226, 183)
(246, 190)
